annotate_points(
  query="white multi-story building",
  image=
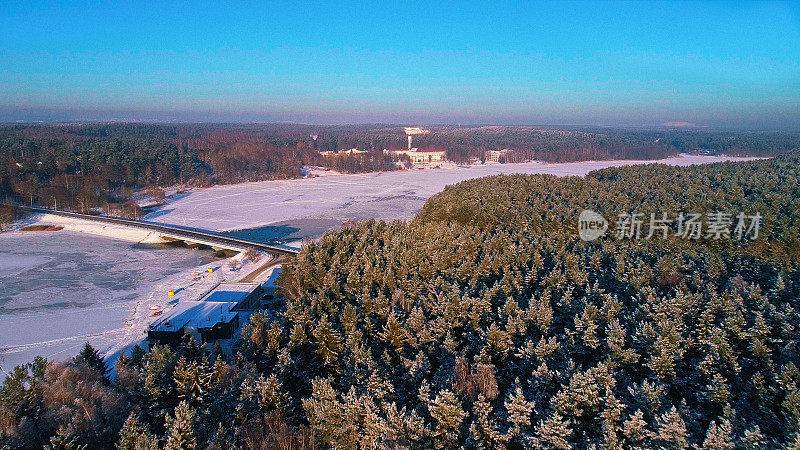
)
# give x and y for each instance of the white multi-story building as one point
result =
(494, 156)
(421, 155)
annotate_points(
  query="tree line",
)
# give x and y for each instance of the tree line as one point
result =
(84, 167)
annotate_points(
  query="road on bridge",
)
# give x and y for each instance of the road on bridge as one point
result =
(190, 234)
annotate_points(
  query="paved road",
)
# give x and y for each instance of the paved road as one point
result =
(173, 230)
(252, 276)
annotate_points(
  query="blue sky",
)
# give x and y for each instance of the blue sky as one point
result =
(606, 63)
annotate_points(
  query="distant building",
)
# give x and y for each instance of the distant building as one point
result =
(496, 156)
(420, 155)
(217, 315)
(352, 151)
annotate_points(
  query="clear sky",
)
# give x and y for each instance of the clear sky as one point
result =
(605, 63)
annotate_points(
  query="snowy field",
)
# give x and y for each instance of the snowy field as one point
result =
(315, 205)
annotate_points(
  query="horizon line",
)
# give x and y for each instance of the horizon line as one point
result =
(671, 126)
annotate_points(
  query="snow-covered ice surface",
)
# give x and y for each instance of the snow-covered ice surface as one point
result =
(61, 289)
(315, 205)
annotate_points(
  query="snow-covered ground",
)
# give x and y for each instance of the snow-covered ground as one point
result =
(118, 232)
(60, 289)
(315, 205)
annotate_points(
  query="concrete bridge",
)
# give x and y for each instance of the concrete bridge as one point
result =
(176, 233)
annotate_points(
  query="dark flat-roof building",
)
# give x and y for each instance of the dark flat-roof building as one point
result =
(217, 315)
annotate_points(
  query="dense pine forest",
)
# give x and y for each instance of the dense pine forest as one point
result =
(82, 167)
(485, 322)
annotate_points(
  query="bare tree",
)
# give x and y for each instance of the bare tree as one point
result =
(252, 254)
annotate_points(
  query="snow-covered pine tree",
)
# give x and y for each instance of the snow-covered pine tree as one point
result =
(519, 411)
(718, 437)
(672, 429)
(91, 357)
(135, 436)
(64, 440)
(555, 432)
(448, 413)
(180, 428)
(483, 431)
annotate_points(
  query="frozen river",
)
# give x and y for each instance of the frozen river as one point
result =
(60, 289)
(314, 205)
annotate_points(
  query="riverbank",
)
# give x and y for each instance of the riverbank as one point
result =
(318, 204)
(88, 282)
